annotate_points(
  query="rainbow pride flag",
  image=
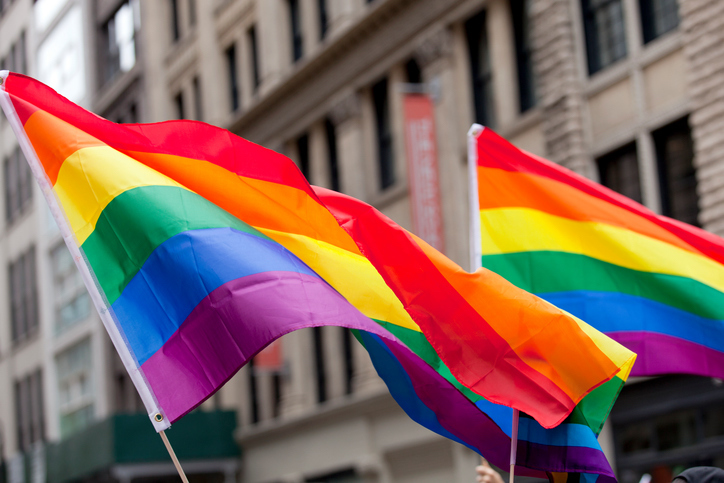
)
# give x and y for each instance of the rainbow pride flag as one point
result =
(200, 248)
(652, 283)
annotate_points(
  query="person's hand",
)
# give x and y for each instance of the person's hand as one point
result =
(486, 474)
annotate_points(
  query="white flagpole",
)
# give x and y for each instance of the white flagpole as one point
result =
(514, 444)
(476, 251)
(474, 206)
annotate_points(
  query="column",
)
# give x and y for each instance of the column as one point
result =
(560, 88)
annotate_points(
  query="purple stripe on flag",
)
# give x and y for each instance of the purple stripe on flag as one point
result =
(665, 354)
(461, 417)
(235, 322)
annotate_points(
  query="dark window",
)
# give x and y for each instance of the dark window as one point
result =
(132, 113)
(605, 32)
(414, 74)
(296, 28)
(21, 62)
(480, 68)
(198, 101)
(253, 393)
(118, 41)
(619, 171)
(192, 12)
(179, 103)
(29, 414)
(18, 185)
(385, 155)
(125, 396)
(23, 296)
(344, 476)
(254, 57)
(276, 394)
(523, 53)
(321, 377)
(347, 360)
(175, 25)
(303, 153)
(16, 61)
(658, 17)
(677, 176)
(233, 79)
(323, 21)
(667, 424)
(332, 155)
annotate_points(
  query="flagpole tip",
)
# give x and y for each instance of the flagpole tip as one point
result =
(475, 130)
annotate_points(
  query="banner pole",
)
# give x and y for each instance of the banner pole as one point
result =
(514, 444)
(173, 457)
(476, 254)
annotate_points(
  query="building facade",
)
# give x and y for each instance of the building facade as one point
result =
(629, 93)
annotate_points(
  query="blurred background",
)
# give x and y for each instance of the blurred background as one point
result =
(629, 93)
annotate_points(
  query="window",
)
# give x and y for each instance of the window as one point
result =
(296, 29)
(119, 54)
(658, 17)
(619, 171)
(178, 102)
(344, 476)
(414, 74)
(332, 155)
(16, 60)
(605, 32)
(30, 420)
(123, 112)
(198, 101)
(23, 296)
(523, 53)
(666, 425)
(18, 185)
(255, 77)
(677, 175)
(175, 26)
(385, 155)
(72, 302)
(75, 388)
(253, 393)
(319, 372)
(347, 360)
(125, 397)
(233, 80)
(323, 20)
(303, 153)
(480, 68)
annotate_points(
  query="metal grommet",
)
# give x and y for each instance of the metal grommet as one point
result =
(1, 81)
(158, 417)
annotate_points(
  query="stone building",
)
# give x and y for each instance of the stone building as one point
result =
(627, 92)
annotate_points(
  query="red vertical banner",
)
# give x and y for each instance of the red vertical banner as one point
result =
(270, 359)
(421, 150)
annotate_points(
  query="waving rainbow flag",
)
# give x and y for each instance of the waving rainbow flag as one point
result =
(200, 248)
(652, 283)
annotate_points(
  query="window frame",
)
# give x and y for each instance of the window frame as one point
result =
(594, 57)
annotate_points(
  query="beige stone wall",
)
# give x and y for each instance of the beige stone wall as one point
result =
(702, 26)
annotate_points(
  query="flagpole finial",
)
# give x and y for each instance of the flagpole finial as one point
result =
(475, 130)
